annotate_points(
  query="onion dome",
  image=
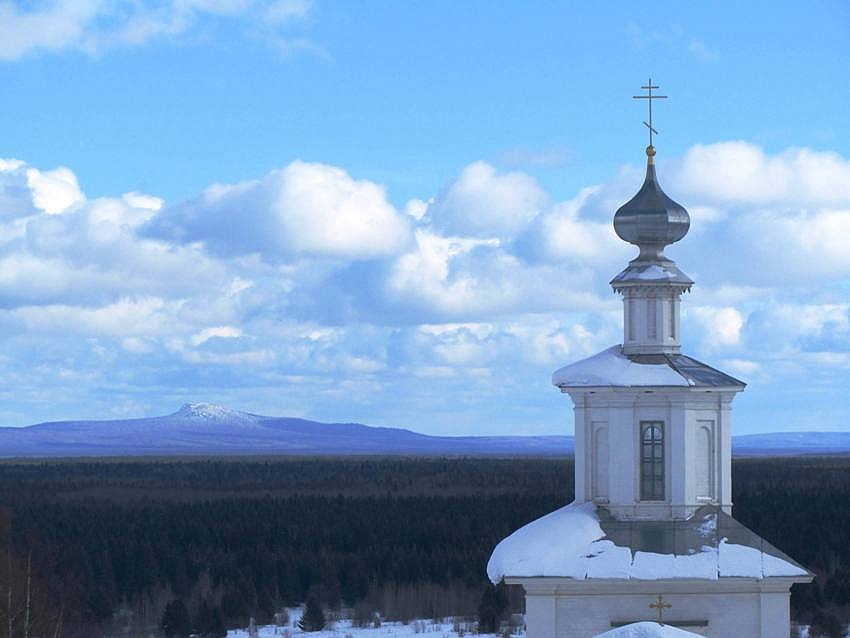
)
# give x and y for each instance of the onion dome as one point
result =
(650, 219)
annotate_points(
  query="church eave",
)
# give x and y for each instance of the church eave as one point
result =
(651, 273)
(611, 368)
(569, 389)
(542, 585)
(585, 542)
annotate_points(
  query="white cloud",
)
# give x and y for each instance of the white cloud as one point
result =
(483, 203)
(461, 278)
(95, 25)
(222, 332)
(310, 281)
(425, 273)
(245, 358)
(809, 244)
(702, 215)
(303, 209)
(566, 235)
(742, 173)
(285, 10)
(142, 201)
(55, 27)
(16, 196)
(743, 367)
(416, 208)
(137, 345)
(721, 326)
(54, 191)
(784, 325)
(126, 317)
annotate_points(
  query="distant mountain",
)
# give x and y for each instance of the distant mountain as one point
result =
(202, 428)
(791, 443)
(205, 429)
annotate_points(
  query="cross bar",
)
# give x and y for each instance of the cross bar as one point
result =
(649, 86)
(660, 605)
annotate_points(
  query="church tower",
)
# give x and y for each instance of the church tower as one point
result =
(651, 525)
(652, 429)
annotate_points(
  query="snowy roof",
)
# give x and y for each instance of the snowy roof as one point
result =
(647, 630)
(651, 272)
(583, 541)
(612, 368)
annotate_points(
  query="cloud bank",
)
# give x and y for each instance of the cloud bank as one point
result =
(95, 25)
(307, 291)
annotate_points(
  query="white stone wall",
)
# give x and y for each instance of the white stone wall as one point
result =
(739, 608)
(729, 616)
(698, 452)
(651, 319)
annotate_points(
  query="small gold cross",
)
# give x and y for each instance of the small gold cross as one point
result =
(660, 605)
(649, 86)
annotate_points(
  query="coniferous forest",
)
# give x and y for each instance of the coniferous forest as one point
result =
(141, 546)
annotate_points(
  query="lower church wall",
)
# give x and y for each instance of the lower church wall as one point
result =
(756, 614)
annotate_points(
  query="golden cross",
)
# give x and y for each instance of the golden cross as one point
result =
(660, 605)
(649, 99)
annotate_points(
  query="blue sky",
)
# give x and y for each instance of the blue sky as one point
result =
(400, 213)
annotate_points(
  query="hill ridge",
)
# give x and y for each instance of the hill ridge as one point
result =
(199, 428)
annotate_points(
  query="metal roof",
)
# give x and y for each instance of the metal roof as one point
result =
(695, 372)
(647, 273)
(613, 368)
(650, 219)
(707, 528)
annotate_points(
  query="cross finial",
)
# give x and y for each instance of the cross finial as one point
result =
(649, 97)
(660, 605)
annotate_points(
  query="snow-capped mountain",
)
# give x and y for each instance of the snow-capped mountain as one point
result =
(207, 429)
(203, 428)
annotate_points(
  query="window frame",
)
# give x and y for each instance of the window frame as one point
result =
(653, 476)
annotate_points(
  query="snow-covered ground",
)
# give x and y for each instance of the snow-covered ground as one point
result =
(413, 629)
(345, 629)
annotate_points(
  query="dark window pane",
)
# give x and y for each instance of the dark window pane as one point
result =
(652, 460)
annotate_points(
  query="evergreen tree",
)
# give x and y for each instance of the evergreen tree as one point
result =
(204, 619)
(313, 618)
(218, 630)
(828, 624)
(175, 620)
(493, 606)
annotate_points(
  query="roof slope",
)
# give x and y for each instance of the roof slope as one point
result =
(613, 368)
(585, 541)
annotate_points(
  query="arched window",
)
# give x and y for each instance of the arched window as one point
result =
(600, 462)
(704, 462)
(652, 461)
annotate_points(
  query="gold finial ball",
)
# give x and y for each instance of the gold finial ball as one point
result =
(650, 151)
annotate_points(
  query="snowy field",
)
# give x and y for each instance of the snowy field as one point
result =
(413, 629)
(345, 629)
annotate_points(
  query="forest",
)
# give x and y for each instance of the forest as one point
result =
(112, 546)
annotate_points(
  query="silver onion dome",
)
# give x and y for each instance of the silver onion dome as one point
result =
(650, 219)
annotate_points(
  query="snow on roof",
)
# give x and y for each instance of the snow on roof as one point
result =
(612, 368)
(655, 272)
(647, 630)
(571, 543)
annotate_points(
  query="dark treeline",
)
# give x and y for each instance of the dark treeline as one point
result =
(105, 547)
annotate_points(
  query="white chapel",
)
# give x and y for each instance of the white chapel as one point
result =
(650, 535)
